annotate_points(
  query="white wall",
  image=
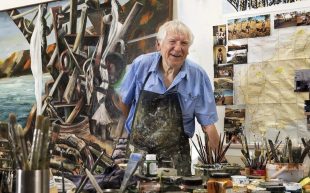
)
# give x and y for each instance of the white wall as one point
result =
(200, 16)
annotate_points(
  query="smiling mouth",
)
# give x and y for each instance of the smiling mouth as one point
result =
(176, 56)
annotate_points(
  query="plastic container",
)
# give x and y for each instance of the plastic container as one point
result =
(289, 172)
(150, 166)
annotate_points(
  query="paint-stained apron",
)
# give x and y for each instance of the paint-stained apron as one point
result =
(157, 128)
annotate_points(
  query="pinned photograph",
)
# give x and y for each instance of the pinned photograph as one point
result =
(283, 20)
(234, 122)
(248, 27)
(223, 71)
(302, 80)
(262, 25)
(237, 54)
(223, 91)
(243, 31)
(234, 29)
(302, 18)
(219, 35)
(219, 55)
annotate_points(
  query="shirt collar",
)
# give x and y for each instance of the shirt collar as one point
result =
(154, 67)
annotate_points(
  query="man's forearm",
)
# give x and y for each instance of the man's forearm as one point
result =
(214, 137)
(124, 108)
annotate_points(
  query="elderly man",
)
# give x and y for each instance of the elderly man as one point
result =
(163, 93)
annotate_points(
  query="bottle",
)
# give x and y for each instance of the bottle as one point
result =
(150, 165)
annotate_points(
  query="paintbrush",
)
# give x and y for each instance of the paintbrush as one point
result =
(273, 151)
(305, 144)
(246, 156)
(199, 153)
(222, 155)
(34, 154)
(201, 147)
(290, 155)
(304, 153)
(244, 161)
(277, 138)
(21, 144)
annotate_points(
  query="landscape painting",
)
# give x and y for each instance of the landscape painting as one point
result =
(83, 61)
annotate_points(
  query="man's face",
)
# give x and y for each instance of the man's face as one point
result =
(174, 49)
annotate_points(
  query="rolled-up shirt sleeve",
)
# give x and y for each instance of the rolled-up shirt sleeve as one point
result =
(205, 107)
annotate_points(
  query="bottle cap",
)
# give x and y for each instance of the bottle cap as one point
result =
(150, 157)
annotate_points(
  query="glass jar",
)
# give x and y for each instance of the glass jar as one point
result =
(150, 166)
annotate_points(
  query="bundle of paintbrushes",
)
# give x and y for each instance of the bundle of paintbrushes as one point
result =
(38, 157)
(289, 153)
(209, 155)
(255, 160)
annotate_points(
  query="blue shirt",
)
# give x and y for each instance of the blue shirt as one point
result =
(192, 84)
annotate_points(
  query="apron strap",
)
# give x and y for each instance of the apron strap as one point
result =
(147, 77)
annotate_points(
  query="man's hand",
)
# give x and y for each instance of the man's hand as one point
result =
(214, 137)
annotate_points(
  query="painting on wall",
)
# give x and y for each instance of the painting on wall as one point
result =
(82, 68)
(142, 36)
(153, 15)
(139, 47)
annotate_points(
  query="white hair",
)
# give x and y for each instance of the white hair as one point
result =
(174, 26)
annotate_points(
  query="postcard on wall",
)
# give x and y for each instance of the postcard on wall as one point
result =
(234, 122)
(302, 18)
(223, 91)
(282, 20)
(224, 71)
(248, 27)
(219, 35)
(237, 53)
(234, 29)
(302, 80)
(262, 25)
(219, 55)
